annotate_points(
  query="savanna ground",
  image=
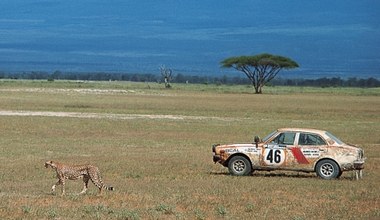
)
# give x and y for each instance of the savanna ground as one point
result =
(154, 146)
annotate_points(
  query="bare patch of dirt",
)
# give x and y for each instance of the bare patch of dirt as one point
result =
(84, 91)
(110, 116)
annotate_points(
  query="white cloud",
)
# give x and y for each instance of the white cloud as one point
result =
(11, 50)
(223, 33)
(313, 30)
(24, 21)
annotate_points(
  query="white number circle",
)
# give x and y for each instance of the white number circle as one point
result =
(274, 156)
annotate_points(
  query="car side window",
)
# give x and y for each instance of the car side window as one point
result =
(310, 139)
(286, 138)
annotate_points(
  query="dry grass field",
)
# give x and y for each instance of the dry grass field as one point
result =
(154, 146)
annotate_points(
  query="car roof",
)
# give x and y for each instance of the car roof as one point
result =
(302, 130)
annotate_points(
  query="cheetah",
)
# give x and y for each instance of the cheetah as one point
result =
(74, 172)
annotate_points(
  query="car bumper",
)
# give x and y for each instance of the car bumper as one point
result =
(216, 158)
(353, 165)
(359, 164)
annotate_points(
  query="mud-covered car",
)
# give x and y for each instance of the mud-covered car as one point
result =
(292, 149)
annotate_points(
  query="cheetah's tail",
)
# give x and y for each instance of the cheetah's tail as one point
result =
(110, 188)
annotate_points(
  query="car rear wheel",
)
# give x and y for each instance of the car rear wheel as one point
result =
(328, 169)
(239, 166)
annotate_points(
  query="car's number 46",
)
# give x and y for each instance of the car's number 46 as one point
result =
(274, 156)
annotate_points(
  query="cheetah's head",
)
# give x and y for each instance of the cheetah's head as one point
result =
(48, 163)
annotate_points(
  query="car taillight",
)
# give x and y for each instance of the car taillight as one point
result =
(214, 146)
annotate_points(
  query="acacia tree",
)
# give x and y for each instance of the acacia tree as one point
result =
(260, 69)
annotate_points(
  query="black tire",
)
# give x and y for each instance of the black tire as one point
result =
(327, 169)
(239, 166)
(340, 174)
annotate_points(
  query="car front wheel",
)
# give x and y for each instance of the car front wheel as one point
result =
(239, 166)
(327, 169)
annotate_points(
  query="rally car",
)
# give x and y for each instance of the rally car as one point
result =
(293, 149)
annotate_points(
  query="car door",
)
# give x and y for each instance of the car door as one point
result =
(277, 153)
(309, 148)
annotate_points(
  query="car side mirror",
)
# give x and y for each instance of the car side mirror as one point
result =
(256, 139)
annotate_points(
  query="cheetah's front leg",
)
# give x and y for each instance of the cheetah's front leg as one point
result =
(60, 182)
(56, 184)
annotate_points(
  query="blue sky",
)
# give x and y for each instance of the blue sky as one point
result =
(327, 38)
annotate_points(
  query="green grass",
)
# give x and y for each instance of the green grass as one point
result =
(151, 87)
(162, 168)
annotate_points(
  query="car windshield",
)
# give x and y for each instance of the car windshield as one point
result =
(269, 136)
(334, 138)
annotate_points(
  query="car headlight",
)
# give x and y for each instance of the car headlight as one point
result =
(360, 154)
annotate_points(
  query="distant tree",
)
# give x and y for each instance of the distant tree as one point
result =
(180, 78)
(260, 69)
(167, 75)
(351, 82)
(372, 82)
(55, 75)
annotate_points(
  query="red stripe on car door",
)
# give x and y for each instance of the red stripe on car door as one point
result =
(301, 159)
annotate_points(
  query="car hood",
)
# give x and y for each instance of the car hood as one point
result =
(349, 147)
